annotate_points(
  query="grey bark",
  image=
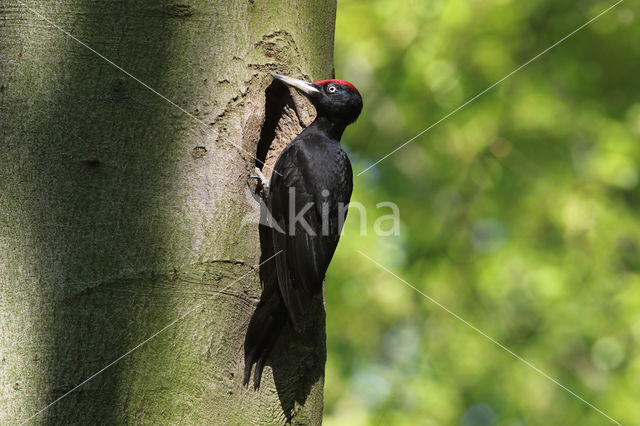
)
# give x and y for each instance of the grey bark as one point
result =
(120, 213)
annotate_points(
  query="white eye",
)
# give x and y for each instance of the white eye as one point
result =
(331, 89)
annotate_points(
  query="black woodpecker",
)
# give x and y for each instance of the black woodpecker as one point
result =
(307, 198)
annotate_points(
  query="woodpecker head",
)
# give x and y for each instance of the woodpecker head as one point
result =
(337, 100)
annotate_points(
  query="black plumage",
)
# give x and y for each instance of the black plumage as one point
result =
(307, 197)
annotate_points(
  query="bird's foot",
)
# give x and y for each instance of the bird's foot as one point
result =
(263, 179)
(263, 183)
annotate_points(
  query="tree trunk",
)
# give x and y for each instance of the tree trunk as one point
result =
(123, 215)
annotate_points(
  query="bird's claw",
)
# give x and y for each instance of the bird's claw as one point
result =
(263, 183)
(263, 179)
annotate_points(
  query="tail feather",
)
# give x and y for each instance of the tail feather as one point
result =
(265, 327)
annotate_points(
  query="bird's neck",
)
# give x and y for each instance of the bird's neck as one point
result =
(331, 128)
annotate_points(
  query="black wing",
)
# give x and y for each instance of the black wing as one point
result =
(307, 168)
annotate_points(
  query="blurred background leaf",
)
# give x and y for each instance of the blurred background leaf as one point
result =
(519, 213)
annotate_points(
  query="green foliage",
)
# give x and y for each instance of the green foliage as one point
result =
(519, 214)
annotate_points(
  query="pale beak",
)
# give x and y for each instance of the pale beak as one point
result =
(303, 86)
